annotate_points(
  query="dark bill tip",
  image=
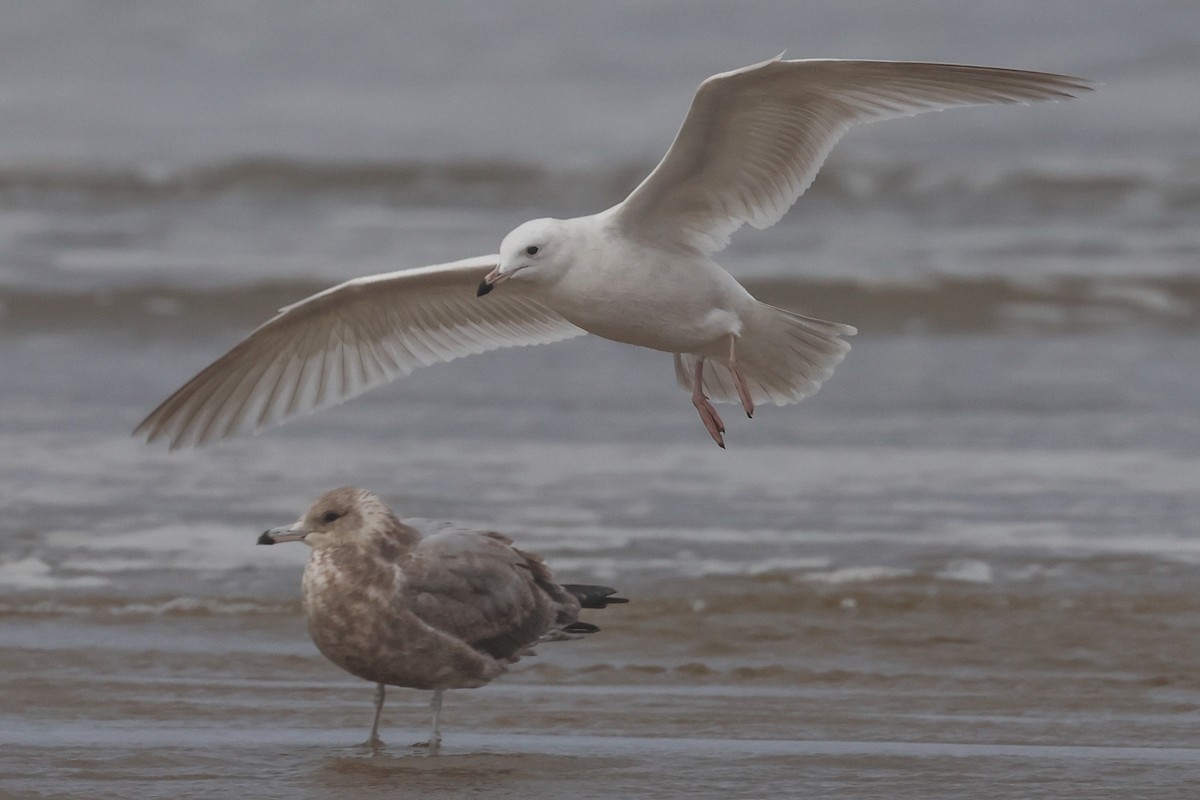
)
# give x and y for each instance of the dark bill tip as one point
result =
(484, 288)
(266, 538)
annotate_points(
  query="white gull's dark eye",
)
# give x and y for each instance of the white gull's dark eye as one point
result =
(330, 516)
(532, 250)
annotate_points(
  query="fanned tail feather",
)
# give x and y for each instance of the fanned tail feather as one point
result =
(783, 357)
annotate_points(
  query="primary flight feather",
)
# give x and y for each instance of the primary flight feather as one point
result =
(640, 272)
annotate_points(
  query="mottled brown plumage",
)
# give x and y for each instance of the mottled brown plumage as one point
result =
(427, 606)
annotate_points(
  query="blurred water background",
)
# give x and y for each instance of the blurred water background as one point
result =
(969, 564)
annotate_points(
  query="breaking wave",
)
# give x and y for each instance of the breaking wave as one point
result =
(943, 304)
(1173, 186)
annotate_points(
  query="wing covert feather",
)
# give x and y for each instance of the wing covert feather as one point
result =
(476, 587)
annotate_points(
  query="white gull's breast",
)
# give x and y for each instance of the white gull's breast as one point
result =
(626, 292)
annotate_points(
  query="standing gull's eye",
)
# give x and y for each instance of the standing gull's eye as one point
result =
(532, 250)
(330, 516)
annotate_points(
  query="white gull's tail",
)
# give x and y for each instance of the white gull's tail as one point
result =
(783, 357)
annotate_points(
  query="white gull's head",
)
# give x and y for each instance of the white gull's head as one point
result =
(535, 251)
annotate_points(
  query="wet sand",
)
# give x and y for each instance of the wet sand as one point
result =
(728, 687)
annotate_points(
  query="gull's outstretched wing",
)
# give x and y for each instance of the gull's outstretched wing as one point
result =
(347, 339)
(755, 137)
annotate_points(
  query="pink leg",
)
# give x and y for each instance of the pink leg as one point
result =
(742, 389)
(708, 414)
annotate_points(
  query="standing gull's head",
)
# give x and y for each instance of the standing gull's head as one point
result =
(339, 515)
(533, 250)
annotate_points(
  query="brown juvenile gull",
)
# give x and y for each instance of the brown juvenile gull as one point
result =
(440, 608)
(641, 272)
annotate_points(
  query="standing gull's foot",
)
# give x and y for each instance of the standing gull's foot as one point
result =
(435, 736)
(373, 742)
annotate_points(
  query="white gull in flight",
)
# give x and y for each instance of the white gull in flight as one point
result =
(439, 608)
(640, 272)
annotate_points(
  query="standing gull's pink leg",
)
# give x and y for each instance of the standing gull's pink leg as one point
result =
(742, 389)
(708, 414)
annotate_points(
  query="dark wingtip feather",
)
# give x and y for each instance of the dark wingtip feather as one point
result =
(590, 596)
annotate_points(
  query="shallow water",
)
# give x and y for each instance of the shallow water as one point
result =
(971, 564)
(910, 586)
